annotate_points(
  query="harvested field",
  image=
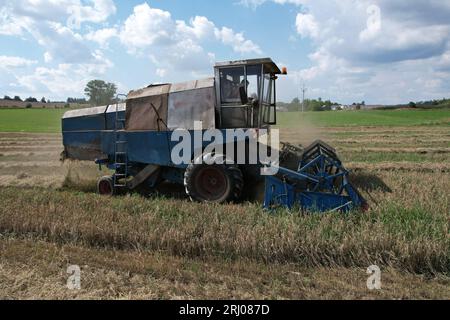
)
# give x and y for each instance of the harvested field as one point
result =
(37, 155)
(32, 160)
(164, 247)
(36, 270)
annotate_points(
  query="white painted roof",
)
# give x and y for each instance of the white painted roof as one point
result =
(94, 111)
(171, 88)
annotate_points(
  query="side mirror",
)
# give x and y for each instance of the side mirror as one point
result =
(243, 94)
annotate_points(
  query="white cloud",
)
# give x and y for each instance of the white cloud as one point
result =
(48, 57)
(8, 62)
(102, 36)
(373, 24)
(161, 72)
(256, 3)
(64, 80)
(62, 43)
(41, 10)
(98, 12)
(45, 21)
(9, 25)
(199, 27)
(307, 25)
(147, 26)
(73, 12)
(237, 41)
(176, 45)
(375, 50)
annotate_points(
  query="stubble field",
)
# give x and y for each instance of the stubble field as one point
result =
(165, 247)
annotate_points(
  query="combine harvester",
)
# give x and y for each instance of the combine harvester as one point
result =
(134, 139)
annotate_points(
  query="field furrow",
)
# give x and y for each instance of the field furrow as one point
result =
(165, 246)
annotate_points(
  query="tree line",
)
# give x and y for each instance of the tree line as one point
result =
(98, 92)
(30, 99)
(430, 103)
(310, 105)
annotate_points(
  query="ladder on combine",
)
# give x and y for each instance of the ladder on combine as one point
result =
(120, 149)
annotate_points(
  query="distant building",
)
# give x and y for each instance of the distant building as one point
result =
(336, 107)
(282, 109)
(371, 107)
(347, 107)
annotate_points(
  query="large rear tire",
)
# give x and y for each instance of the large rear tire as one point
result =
(213, 183)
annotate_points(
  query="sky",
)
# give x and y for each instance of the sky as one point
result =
(377, 51)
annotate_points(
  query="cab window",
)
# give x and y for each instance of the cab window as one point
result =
(231, 79)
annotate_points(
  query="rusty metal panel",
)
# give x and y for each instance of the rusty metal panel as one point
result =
(192, 85)
(154, 90)
(147, 114)
(83, 153)
(186, 107)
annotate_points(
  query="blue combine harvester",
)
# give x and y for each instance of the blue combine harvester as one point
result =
(134, 139)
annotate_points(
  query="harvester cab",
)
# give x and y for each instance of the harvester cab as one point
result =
(246, 93)
(139, 140)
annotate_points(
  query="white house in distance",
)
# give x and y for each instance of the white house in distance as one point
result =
(349, 107)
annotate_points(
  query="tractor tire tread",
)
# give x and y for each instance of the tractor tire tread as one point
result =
(233, 172)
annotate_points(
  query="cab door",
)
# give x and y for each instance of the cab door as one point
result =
(239, 91)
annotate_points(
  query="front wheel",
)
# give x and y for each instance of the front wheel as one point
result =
(213, 183)
(105, 186)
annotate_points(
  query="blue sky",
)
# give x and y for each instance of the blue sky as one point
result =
(379, 51)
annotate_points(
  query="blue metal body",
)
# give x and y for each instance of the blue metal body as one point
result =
(317, 192)
(94, 138)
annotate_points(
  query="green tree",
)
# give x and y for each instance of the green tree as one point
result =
(17, 98)
(100, 92)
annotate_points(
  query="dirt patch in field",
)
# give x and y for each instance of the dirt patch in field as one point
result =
(30, 148)
(384, 130)
(397, 150)
(33, 160)
(38, 270)
(400, 166)
(392, 141)
(25, 180)
(304, 135)
(423, 139)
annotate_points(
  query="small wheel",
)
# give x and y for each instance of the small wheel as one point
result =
(105, 186)
(213, 183)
